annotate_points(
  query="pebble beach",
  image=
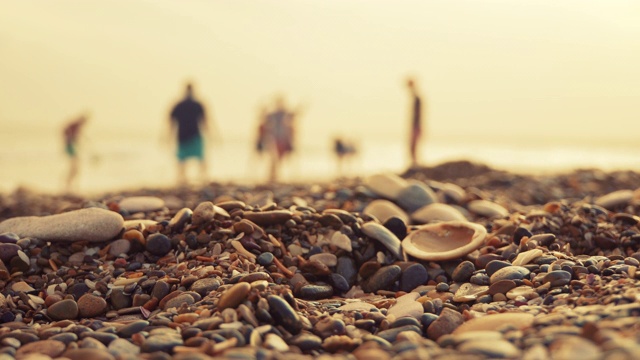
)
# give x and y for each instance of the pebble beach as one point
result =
(455, 261)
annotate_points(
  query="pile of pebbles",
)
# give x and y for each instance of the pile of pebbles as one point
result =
(307, 271)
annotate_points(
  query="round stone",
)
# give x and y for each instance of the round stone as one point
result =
(63, 310)
(179, 300)
(315, 292)
(487, 209)
(158, 244)
(265, 259)
(557, 278)
(463, 272)
(205, 286)
(494, 349)
(437, 212)
(90, 305)
(413, 276)
(120, 246)
(383, 210)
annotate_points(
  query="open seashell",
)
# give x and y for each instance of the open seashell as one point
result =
(444, 241)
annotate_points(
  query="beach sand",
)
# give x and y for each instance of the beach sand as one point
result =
(281, 271)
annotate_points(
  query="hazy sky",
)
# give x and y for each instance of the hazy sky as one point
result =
(499, 69)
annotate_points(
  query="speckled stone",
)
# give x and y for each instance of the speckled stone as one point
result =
(52, 348)
(494, 321)
(92, 224)
(90, 305)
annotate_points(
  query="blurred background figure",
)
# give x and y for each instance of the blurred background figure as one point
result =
(71, 133)
(344, 151)
(416, 121)
(188, 121)
(278, 135)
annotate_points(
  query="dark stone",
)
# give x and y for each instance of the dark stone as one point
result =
(462, 272)
(284, 314)
(496, 265)
(519, 234)
(383, 279)
(396, 226)
(158, 244)
(347, 268)
(413, 276)
(339, 283)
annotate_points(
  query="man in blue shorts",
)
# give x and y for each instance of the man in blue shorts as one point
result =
(189, 120)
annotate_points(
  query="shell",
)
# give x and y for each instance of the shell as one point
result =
(444, 241)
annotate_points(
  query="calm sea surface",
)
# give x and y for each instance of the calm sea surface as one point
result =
(133, 160)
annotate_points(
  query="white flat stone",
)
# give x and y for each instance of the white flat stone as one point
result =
(386, 185)
(92, 224)
(436, 212)
(385, 209)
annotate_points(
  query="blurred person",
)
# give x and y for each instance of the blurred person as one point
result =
(71, 134)
(188, 121)
(416, 121)
(279, 134)
(343, 150)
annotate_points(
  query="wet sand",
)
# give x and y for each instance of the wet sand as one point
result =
(307, 270)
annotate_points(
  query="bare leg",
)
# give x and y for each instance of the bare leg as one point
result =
(274, 167)
(203, 171)
(73, 172)
(182, 177)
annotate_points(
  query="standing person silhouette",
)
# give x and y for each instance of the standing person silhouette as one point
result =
(278, 135)
(189, 120)
(71, 134)
(416, 121)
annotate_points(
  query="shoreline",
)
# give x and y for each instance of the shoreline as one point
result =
(373, 267)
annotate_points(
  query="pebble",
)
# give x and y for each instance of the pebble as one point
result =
(383, 210)
(415, 196)
(509, 273)
(62, 310)
(275, 342)
(8, 251)
(495, 321)
(382, 279)
(158, 244)
(615, 199)
(163, 343)
(557, 278)
(341, 241)
(92, 225)
(205, 286)
(487, 209)
(119, 247)
(526, 257)
(90, 305)
(136, 204)
(469, 292)
(88, 353)
(446, 323)
(284, 314)
(52, 348)
(385, 185)
(413, 276)
(495, 349)
(385, 237)
(325, 258)
(234, 296)
(407, 305)
(436, 212)
(132, 328)
(178, 301)
(463, 271)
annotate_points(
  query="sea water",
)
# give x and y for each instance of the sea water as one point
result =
(134, 160)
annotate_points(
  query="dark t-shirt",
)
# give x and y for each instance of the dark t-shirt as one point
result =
(187, 114)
